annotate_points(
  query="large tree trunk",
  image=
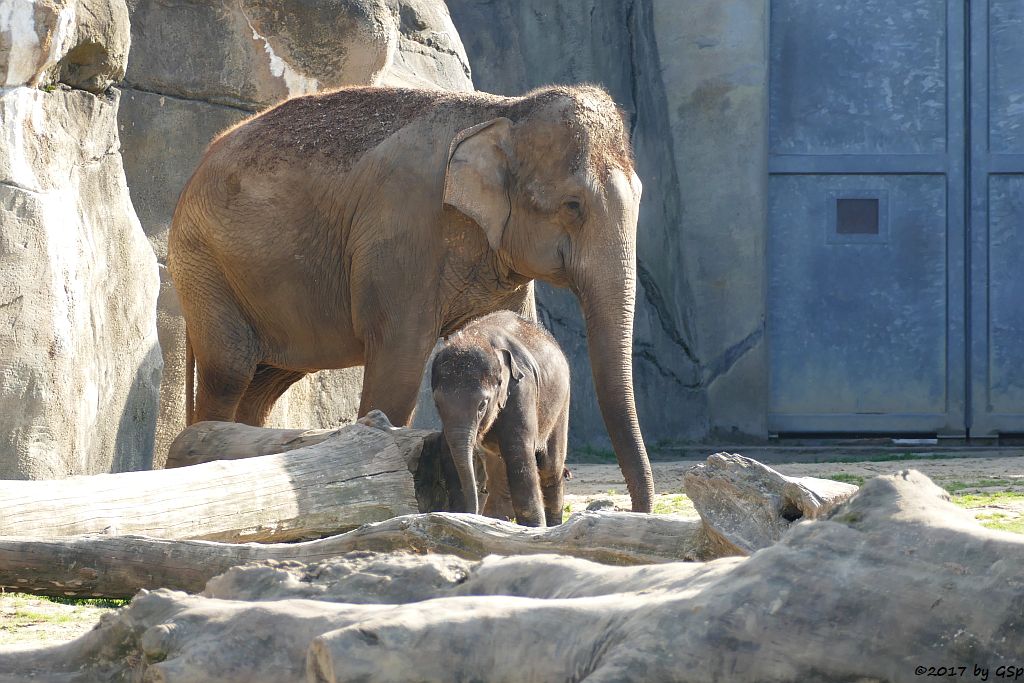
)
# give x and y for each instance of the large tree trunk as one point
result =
(118, 567)
(352, 476)
(894, 582)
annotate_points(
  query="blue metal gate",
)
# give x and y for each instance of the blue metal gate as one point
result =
(870, 145)
(997, 216)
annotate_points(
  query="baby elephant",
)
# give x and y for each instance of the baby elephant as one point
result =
(503, 382)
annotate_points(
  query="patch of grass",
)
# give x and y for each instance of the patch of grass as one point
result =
(957, 486)
(673, 504)
(887, 457)
(979, 500)
(854, 479)
(28, 618)
(1003, 522)
(108, 603)
(23, 616)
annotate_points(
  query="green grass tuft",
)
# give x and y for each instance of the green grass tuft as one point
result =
(673, 504)
(854, 479)
(957, 486)
(109, 603)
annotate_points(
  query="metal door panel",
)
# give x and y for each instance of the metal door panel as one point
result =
(858, 323)
(997, 217)
(860, 77)
(1006, 297)
(866, 331)
(1006, 76)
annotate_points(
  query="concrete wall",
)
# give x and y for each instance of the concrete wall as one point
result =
(693, 78)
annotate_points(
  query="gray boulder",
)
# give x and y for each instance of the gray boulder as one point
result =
(197, 68)
(79, 360)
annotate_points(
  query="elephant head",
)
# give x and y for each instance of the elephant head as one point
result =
(551, 183)
(470, 385)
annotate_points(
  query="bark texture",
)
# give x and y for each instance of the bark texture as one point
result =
(359, 474)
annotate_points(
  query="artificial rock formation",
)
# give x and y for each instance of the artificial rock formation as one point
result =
(79, 361)
(896, 579)
(83, 43)
(197, 68)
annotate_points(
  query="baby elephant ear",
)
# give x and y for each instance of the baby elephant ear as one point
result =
(476, 178)
(510, 372)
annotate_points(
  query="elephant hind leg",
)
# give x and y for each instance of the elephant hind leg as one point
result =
(552, 480)
(224, 344)
(220, 388)
(268, 384)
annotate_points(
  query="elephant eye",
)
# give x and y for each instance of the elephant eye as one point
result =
(574, 206)
(483, 404)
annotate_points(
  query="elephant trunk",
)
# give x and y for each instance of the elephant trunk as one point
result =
(608, 300)
(461, 444)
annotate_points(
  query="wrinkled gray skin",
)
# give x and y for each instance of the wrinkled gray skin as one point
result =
(503, 382)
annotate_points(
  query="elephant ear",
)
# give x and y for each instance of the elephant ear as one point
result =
(476, 178)
(510, 372)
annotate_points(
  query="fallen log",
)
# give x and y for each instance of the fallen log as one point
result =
(746, 505)
(896, 582)
(118, 567)
(206, 442)
(355, 475)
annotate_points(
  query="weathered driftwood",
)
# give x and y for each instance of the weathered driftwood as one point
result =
(896, 579)
(746, 505)
(206, 442)
(209, 441)
(90, 566)
(119, 566)
(358, 474)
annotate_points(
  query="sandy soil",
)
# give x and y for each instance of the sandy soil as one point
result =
(27, 620)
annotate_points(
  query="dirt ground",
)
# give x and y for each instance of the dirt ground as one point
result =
(591, 479)
(991, 487)
(28, 620)
(963, 475)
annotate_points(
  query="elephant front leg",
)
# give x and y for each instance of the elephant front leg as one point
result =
(524, 483)
(391, 377)
(498, 503)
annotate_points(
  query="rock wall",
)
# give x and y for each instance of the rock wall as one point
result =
(692, 77)
(79, 361)
(199, 67)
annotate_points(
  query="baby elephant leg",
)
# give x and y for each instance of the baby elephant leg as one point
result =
(552, 470)
(524, 483)
(498, 503)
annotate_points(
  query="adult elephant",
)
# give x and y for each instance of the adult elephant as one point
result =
(356, 226)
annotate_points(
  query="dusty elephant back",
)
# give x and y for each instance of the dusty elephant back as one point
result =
(340, 126)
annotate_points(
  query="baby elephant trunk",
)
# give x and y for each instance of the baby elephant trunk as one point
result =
(461, 443)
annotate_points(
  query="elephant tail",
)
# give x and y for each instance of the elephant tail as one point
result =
(190, 381)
